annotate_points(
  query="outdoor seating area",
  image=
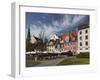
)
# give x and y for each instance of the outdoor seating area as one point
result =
(48, 56)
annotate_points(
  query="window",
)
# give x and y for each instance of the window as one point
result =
(80, 32)
(81, 38)
(86, 43)
(80, 48)
(80, 43)
(86, 48)
(86, 31)
(86, 37)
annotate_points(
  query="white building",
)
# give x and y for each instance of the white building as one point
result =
(51, 44)
(54, 37)
(33, 40)
(83, 38)
(51, 49)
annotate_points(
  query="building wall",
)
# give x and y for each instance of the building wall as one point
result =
(33, 40)
(71, 46)
(51, 48)
(73, 36)
(83, 42)
(70, 42)
(65, 37)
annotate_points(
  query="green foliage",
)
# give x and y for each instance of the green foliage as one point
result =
(31, 63)
(28, 45)
(74, 61)
(39, 45)
(83, 55)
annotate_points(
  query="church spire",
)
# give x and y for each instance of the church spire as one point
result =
(29, 32)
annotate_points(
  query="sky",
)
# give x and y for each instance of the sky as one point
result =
(51, 23)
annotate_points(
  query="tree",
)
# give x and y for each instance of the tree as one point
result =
(41, 44)
(28, 44)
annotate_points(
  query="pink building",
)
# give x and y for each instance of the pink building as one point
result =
(69, 42)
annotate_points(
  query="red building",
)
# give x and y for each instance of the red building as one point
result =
(69, 42)
(73, 36)
(64, 37)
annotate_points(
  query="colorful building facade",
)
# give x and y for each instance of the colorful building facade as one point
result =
(70, 42)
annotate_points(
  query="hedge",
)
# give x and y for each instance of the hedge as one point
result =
(83, 55)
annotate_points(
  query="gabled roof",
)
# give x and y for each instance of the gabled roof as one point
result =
(36, 38)
(54, 37)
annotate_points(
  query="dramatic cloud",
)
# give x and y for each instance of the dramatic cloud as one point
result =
(53, 23)
(46, 29)
(78, 18)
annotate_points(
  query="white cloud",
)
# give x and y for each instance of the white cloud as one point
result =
(70, 20)
(77, 18)
(55, 26)
(47, 29)
(56, 23)
(66, 21)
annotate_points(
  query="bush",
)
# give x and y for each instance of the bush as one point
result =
(83, 55)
